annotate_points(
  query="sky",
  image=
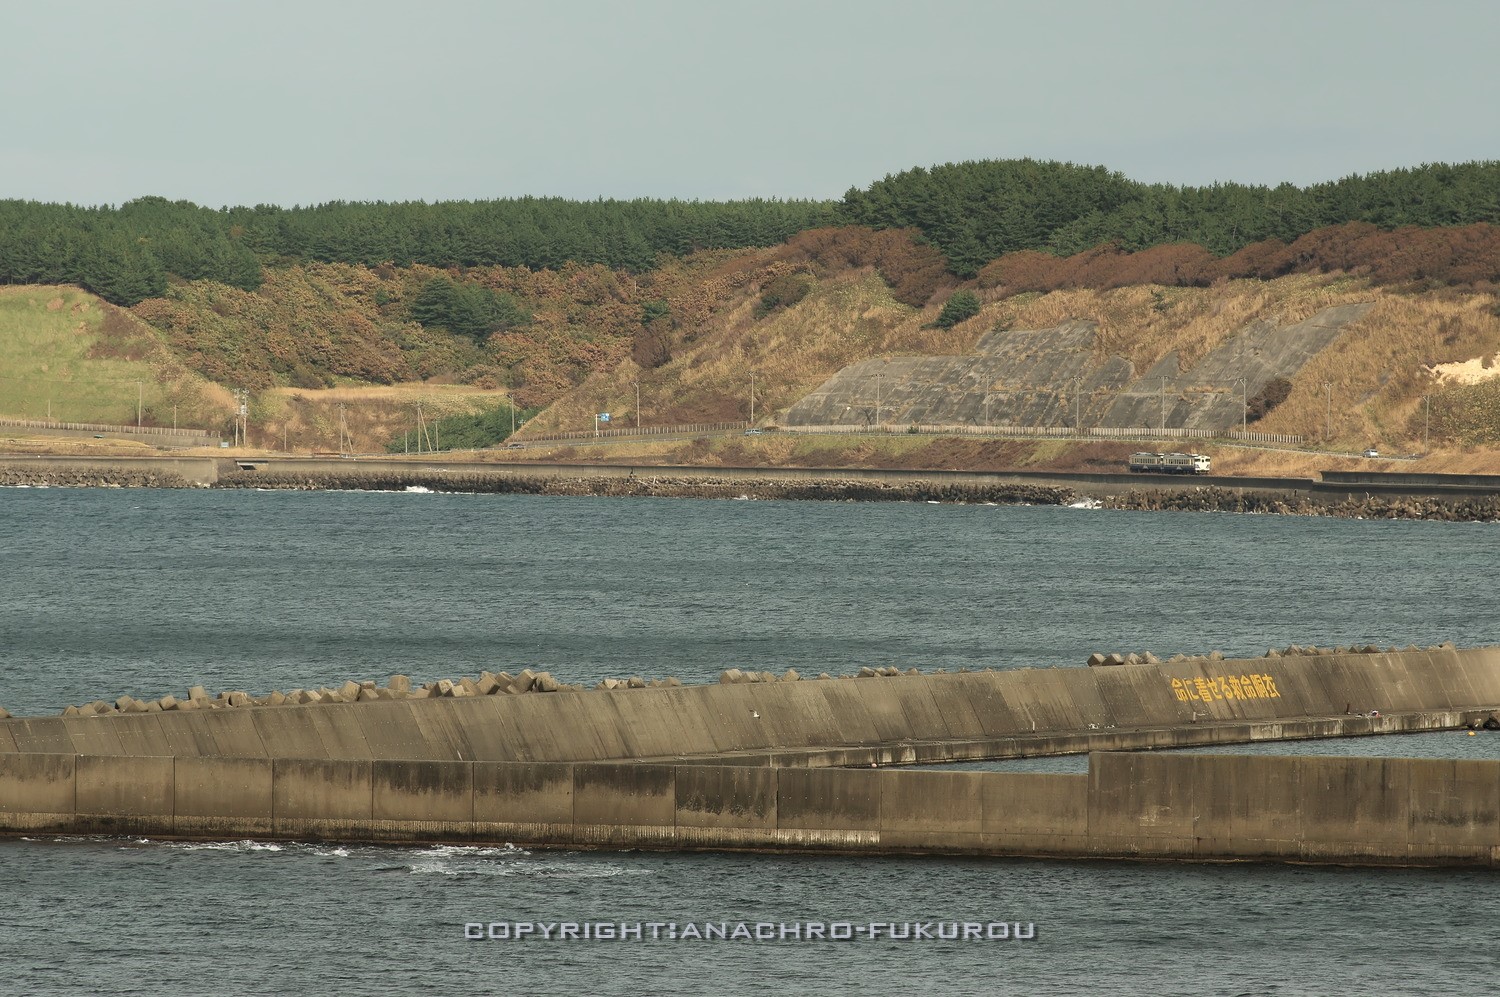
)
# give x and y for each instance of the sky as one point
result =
(303, 102)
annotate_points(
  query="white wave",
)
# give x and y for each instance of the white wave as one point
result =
(419, 489)
(1086, 503)
(227, 846)
(454, 861)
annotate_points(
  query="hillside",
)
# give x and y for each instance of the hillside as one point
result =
(67, 355)
(339, 319)
(1377, 366)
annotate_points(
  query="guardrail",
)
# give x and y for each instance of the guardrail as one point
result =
(585, 434)
(95, 427)
(1050, 432)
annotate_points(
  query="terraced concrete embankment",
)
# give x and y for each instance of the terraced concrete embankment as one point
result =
(755, 765)
(1059, 377)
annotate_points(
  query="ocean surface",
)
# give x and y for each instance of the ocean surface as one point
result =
(104, 592)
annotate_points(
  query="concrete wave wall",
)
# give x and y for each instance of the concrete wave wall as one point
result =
(1215, 807)
(922, 714)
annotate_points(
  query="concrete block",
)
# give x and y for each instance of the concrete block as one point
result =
(725, 796)
(623, 803)
(1454, 804)
(1138, 795)
(1358, 804)
(1034, 804)
(531, 800)
(228, 797)
(424, 799)
(847, 800)
(946, 802)
(124, 795)
(94, 736)
(36, 791)
(142, 735)
(322, 798)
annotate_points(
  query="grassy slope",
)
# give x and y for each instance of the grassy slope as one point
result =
(66, 350)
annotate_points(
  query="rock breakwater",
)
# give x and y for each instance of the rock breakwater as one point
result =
(1217, 499)
(91, 477)
(688, 485)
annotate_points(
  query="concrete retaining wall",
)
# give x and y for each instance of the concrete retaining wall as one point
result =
(45, 468)
(1207, 807)
(830, 722)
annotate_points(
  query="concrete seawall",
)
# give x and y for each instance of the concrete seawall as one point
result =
(1377, 811)
(920, 714)
(930, 717)
(1365, 494)
(763, 766)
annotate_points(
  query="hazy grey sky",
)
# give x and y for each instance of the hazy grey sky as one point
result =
(309, 101)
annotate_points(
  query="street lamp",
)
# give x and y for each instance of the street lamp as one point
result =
(1244, 405)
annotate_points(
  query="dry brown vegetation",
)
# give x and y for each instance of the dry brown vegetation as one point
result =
(1466, 256)
(301, 419)
(1377, 367)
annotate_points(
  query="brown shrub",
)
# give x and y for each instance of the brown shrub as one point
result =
(913, 270)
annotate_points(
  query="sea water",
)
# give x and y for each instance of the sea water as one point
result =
(104, 592)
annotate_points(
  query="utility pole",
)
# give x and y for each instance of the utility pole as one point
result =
(752, 398)
(1162, 424)
(877, 401)
(421, 428)
(140, 402)
(1244, 405)
(637, 406)
(1077, 403)
(986, 408)
(241, 430)
(1328, 418)
(1427, 423)
(511, 404)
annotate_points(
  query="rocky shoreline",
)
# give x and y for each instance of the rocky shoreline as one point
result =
(658, 486)
(97, 477)
(1213, 499)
